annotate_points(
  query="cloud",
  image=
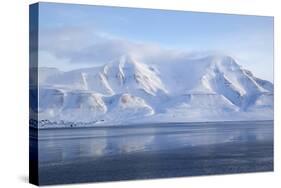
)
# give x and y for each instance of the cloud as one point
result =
(78, 47)
(88, 46)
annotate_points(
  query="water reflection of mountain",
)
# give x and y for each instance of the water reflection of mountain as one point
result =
(95, 143)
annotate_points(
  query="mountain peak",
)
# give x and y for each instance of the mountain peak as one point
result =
(225, 61)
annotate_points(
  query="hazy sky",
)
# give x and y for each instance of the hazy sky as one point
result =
(74, 36)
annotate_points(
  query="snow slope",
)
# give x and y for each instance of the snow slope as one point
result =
(127, 90)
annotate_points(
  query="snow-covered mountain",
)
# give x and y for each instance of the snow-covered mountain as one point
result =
(127, 90)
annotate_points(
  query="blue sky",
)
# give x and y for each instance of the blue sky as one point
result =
(73, 36)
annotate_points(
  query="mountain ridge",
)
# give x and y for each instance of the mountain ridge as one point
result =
(195, 89)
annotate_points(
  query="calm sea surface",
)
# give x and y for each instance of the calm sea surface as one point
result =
(153, 151)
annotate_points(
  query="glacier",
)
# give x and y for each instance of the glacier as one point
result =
(129, 91)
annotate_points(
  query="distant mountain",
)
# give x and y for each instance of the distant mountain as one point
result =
(125, 90)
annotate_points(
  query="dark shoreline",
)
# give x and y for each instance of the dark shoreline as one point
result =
(157, 124)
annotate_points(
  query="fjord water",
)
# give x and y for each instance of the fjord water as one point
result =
(72, 155)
